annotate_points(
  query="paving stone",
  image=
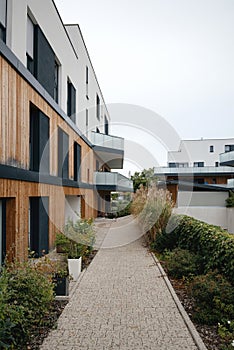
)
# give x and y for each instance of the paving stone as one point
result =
(122, 301)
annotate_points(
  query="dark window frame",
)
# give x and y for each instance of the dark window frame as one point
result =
(39, 225)
(106, 126)
(39, 141)
(71, 101)
(198, 164)
(228, 148)
(63, 154)
(77, 161)
(3, 231)
(212, 149)
(87, 81)
(98, 107)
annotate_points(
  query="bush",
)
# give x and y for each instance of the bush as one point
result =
(181, 263)
(214, 297)
(25, 298)
(214, 245)
(168, 238)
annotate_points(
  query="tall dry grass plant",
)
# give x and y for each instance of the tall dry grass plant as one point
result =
(153, 208)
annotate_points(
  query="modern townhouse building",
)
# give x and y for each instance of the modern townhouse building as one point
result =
(196, 166)
(56, 154)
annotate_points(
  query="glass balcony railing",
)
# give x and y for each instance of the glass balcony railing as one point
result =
(115, 181)
(107, 141)
(193, 170)
(227, 158)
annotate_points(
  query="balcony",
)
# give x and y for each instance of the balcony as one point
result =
(227, 158)
(193, 171)
(113, 182)
(109, 148)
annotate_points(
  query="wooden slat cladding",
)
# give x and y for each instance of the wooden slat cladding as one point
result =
(18, 194)
(15, 98)
(16, 95)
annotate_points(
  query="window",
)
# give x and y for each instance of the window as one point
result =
(41, 60)
(178, 165)
(77, 161)
(97, 165)
(71, 101)
(229, 148)
(211, 149)
(214, 181)
(88, 175)
(39, 225)
(30, 45)
(87, 121)
(198, 164)
(56, 81)
(39, 145)
(87, 81)
(106, 126)
(98, 107)
(2, 230)
(217, 164)
(63, 154)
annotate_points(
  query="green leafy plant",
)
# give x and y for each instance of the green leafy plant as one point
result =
(214, 297)
(25, 298)
(181, 263)
(80, 235)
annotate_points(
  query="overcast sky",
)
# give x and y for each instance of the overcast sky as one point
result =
(174, 57)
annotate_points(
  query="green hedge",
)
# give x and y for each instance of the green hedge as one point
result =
(214, 245)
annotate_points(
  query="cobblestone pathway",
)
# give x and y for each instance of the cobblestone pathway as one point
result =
(122, 302)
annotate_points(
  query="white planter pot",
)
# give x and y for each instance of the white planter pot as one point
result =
(74, 268)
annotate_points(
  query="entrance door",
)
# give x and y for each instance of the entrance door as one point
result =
(2, 231)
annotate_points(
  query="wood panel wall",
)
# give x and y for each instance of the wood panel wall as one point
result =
(15, 97)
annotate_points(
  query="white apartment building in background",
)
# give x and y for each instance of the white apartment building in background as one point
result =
(196, 166)
(199, 153)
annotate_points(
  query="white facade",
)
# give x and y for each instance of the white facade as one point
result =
(71, 56)
(192, 152)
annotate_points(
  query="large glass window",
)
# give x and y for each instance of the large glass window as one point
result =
(39, 141)
(39, 225)
(41, 59)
